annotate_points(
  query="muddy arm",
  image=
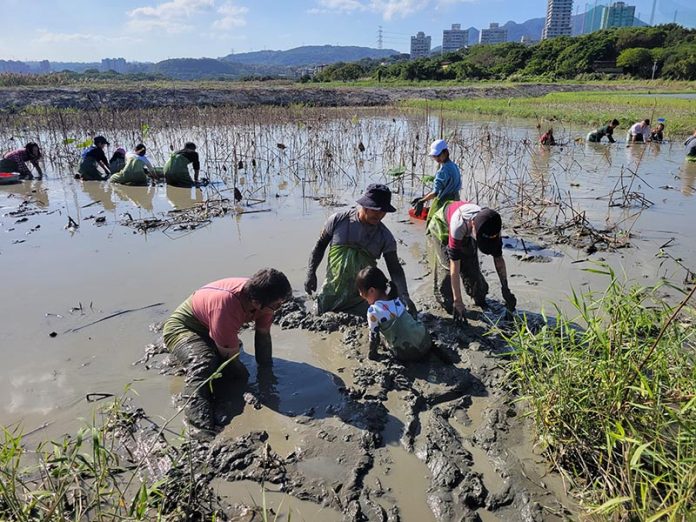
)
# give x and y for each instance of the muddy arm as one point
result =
(263, 348)
(314, 260)
(37, 167)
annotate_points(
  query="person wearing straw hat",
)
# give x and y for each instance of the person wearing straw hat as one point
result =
(356, 239)
(447, 183)
(470, 229)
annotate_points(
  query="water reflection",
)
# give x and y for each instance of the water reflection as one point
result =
(140, 196)
(99, 191)
(184, 197)
(688, 176)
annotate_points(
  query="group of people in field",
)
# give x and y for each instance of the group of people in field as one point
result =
(639, 132)
(124, 167)
(203, 332)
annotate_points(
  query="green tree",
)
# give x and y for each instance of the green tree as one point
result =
(637, 61)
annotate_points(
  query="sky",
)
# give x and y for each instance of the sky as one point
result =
(154, 30)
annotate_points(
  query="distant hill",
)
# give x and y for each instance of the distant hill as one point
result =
(533, 27)
(309, 55)
(195, 68)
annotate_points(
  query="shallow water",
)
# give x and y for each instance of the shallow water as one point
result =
(58, 279)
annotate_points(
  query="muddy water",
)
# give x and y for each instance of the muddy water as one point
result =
(60, 280)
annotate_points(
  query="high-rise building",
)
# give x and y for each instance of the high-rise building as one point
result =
(454, 39)
(557, 19)
(420, 46)
(618, 14)
(493, 35)
(118, 65)
(592, 21)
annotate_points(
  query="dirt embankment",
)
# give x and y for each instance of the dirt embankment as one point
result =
(242, 96)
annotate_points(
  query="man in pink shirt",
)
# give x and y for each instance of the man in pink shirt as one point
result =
(203, 332)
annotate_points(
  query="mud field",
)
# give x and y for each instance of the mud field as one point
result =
(144, 97)
(91, 270)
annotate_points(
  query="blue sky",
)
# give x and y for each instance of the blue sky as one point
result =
(153, 30)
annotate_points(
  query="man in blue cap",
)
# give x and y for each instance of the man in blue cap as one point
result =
(356, 239)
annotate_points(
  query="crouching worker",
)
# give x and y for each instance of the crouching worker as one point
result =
(405, 336)
(137, 169)
(176, 169)
(469, 228)
(203, 333)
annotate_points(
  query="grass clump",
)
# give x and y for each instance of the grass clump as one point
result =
(613, 400)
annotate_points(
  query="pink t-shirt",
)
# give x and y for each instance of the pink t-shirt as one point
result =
(459, 215)
(218, 306)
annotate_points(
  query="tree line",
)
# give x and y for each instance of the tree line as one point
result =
(667, 51)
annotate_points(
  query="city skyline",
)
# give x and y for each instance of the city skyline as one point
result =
(152, 30)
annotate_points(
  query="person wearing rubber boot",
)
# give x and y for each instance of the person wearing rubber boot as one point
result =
(203, 333)
(470, 228)
(356, 239)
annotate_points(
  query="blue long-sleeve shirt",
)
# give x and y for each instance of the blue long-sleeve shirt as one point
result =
(448, 181)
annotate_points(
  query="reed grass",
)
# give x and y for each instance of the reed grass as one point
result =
(612, 396)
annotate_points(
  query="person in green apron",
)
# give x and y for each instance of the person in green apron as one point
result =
(470, 229)
(447, 184)
(137, 169)
(92, 158)
(356, 238)
(176, 169)
(608, 130)
(405, 336)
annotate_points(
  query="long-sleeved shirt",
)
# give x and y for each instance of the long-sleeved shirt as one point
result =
(21, 157)
(192, 156)
(448, 181)
(640, 129)
(95, 153)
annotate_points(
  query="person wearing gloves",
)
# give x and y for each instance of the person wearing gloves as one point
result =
(136, 170)
(16, 161)
(92, 158)
(203, 332)
(447, 184)
(356, 239)
(470, 229)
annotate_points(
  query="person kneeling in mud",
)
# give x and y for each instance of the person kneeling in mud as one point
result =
(203, 332)
(405, 336)
(469, 228)
(176, 171)
(357, 239)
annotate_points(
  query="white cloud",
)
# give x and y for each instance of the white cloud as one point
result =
(167, 16)
(231, 15)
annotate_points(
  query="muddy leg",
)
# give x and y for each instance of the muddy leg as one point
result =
(200, 359)
(442, 286)
(475, 284)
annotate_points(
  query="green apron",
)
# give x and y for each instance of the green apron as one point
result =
(435, 206)
(176, 171)
(407, 337)
(132, 174)
(89, 171)
(437, 222)
(339, 292)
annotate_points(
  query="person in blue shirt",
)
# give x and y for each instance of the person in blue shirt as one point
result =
(447, 184)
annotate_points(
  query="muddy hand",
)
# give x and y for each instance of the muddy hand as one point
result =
(458, 311)
(510, 299)
(310, 285)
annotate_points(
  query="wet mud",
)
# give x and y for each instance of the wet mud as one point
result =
(240, 96)
(341, 448)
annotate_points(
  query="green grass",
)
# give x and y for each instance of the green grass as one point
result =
(587, 108)
(614, 403)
